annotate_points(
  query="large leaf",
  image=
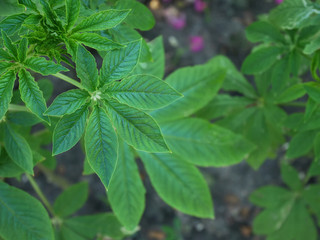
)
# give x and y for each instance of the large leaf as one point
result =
(120, 62)
(101, 145)
(198, 85)
(68, 102)
(143, 92)
(261, 31)
(18, 149)
(311, 195)
(12, 23)
(6, 88)
(126, 193)
(179, 184)
(313, 90)
(29, 4)
(31, 95)
(69, 130)
(201, 143)
(72, 13)
(301, 144)
(136, 127)
(12, 48)
(22, 216)
(87, 69)
(95, 41)
(71, 199)
(43, 66)
(102, 20)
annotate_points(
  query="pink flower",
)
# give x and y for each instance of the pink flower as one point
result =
(196, 43)
(200, 5)
(278, 1)
(176, 19)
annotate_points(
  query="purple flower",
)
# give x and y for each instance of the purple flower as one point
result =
(196, 43)
(278, 1)
(200, 5)
(176, 19)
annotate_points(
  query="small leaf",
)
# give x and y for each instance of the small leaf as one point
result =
(290, 94)
(31, 95)
(22, 51)
(126, 192)
(71, 199)
(101, 145)
(72, 13)
(102, 20)
(313, 90)
(86, 68)
(6, 87)
(120, 62)
(18, 149)
(50, 14)
(29, 4)
(291, 177)
(22, 216)
(12, 23)
(69, 130)
(301, 144)
(143, 92)
(179, 184)
(137, 128)
(4, 55)
(311, 195)
(95, 41)
(43, 66)
(9, 45)
(261, 31)
(261, 60)
(68, 102)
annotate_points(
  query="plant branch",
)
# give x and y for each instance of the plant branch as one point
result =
(18, 108)
(53, 178)
(68, 79)
(40, 194)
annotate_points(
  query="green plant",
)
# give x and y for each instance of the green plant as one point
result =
(124, 111)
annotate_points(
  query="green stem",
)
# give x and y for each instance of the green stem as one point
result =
(40, 194)
(68, 79)
(17, 108)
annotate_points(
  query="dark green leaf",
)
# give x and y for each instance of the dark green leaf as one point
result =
(316, 146)
(50, 14)
(261, 31)
(72, 13)
(301, 144)
(22, 51)
(43, 66)
(313, 90)
(6, 87)
(23, 118)
(311, 195)
(290, 94)
(29, 4)
(12, 23)
(291, 177)
(9, 45)
(4, 55)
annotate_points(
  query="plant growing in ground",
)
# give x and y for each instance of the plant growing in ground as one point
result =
(122, 111)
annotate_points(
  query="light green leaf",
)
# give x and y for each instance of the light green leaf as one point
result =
(12, 23)
(6, 87)
(127, 193)
(290, 94)
(71, 199)
(143, 92)
(22, 216)
(18, 149)
(137, 128)
(201, 143)
(22, 51)
(291, 177)
(43, 66)
(68, 102)
(50, 14)
(4, 55)
(312, 46)
(31, 95)
(72, 13)
(313, 90)
(29, 4)
(86, 68)
(101, 145)
(9, 45)
(69, 130)
(261, 60)
(291, 13)
(120, 62)
(179, 184)
(198, 85)
(261, 31)
(95, 41)
(280, 74)
(301, 144)
(102, 20)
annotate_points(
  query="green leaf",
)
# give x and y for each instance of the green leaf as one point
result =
(198, 85)
(22, 51)
(290, 94)
(68, 102)
(291, 13)
(12, 23)
(281, 74)
(314, 169)
(203, 144)
(46, 86)
(4, 55)
(7, 166)
(261, 31)
(140, 16)
(137, 128)
(50, 14)
(291, 177)
(261, 60)
(301, 144)
(126, 192)
(31, 95)
(86, 68)
(43, 66)
(72, 13)
(311, 195)
(23, 118)
(312, 46)
(101, 144)
(143, 92)
(102, 20)
(6, 87)
(179, 184)
(69, 130)
(18, 149)
(22, 216)
(311, 107)
(29, 4)
(9, 45)
(95, 41)
(120, 62)
(317, 147)
(313, 90)
(71, 199)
